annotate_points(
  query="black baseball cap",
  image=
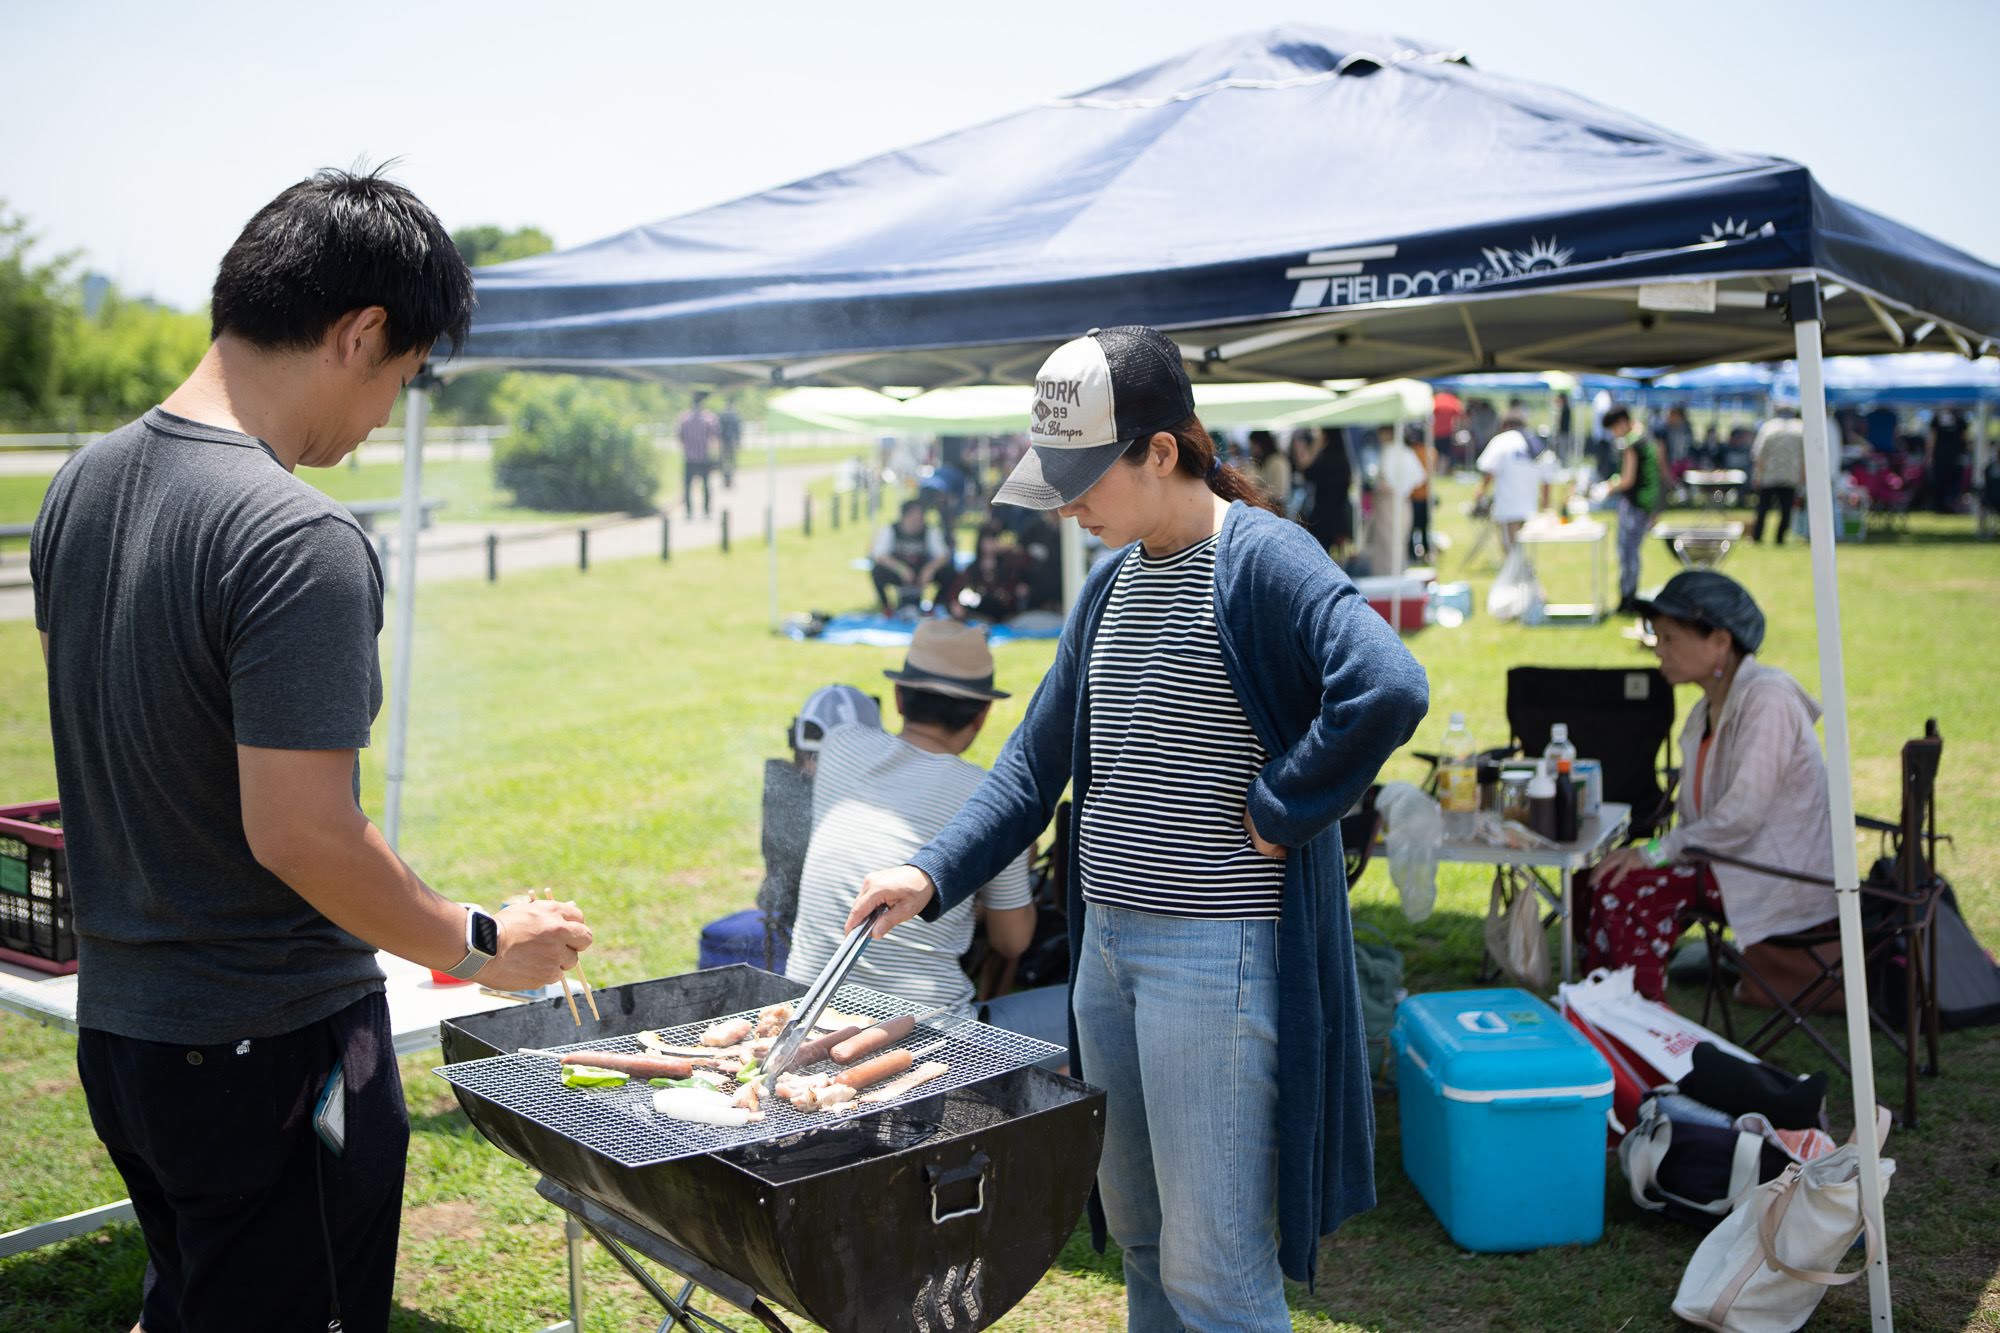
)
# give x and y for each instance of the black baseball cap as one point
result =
(1094, 396)
(1703, 596)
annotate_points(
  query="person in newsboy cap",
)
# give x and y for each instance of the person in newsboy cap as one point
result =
(1753, 790)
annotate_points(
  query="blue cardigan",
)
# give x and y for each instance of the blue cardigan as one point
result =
(1331, 693)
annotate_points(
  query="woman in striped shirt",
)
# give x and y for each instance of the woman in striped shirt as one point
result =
(1221, 696)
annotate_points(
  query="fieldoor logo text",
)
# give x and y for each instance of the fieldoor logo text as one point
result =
(1340, 277)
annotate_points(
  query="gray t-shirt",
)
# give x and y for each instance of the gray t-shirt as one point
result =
(197, 597)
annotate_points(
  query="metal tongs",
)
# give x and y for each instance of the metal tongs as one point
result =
(797, 1032)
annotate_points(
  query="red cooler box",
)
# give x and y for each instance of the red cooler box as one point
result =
(1400, 599)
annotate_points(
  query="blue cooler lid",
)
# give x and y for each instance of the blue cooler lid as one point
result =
(1484, 1044)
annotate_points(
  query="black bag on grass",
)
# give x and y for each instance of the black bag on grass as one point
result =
(1690, 1161)
(1735, 1086)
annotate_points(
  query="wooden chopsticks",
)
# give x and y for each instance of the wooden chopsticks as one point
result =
(548, 895)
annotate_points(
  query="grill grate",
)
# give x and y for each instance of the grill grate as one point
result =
(621, 1124)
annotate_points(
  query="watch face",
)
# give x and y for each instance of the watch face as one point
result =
(485, 934)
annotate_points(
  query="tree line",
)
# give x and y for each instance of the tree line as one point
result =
(78, 355)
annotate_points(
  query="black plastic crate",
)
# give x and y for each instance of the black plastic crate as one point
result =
(35, 922)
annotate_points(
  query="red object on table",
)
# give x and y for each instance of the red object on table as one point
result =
(447, 979)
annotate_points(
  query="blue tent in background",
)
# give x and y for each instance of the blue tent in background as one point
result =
(1921, 379)
(1918, 380)
(1296, 204)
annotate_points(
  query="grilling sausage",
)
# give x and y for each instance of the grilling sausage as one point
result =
(874, 1039)
(819, 1046)
(638, 1065)
(874, 1071)
(916, 1078)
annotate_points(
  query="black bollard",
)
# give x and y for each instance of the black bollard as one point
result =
(583, 549)
(492, 557)
(835, 506)
(809, 514)
(725, 532)
(666, 538)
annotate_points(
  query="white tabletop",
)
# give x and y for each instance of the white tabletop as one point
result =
(1542, 529)
(1596, 835)
(417, 1004)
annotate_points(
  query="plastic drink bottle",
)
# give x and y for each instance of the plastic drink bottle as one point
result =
(1458, 780)
(1558, 748)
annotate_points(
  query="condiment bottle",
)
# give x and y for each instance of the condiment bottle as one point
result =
(1542, 805)
(1565, 802)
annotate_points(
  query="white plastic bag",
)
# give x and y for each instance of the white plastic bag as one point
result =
(1515, 938)
(1765, 1267)
(1412, 828)
(1653, 1032)
(1516, 594)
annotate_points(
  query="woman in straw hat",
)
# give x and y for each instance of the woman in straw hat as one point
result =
(1222, 695)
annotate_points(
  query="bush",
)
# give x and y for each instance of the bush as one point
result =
(573, 445)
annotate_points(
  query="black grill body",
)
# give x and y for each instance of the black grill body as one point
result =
(934, 1214)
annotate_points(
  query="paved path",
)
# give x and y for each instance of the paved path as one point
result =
(458, 550)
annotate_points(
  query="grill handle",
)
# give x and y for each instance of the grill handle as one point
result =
(945, 1178)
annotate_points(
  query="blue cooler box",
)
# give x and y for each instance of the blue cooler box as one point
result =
(1502, 1107)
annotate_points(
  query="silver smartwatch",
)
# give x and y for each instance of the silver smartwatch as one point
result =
(482, 941)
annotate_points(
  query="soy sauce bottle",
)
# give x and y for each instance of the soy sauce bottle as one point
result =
(1566, 802)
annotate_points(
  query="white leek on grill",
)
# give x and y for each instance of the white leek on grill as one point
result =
(699, 1106)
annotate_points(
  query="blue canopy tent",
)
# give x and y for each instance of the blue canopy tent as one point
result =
(1913, 379)
(1288, 190)
(1298, 204)
(1917, 379)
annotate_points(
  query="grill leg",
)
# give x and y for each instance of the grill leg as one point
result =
(680, 1314)
(573, 1238)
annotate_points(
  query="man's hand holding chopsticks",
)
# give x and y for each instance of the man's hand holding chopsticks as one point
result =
(539, 941)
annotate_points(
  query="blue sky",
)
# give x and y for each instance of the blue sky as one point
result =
(145, 134)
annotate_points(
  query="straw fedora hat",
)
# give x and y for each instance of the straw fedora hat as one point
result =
(947, 657)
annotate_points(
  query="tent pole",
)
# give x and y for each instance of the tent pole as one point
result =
(416, 409)
(1979, 449)
(1840, 777)
(771, 523)
(1070, 540)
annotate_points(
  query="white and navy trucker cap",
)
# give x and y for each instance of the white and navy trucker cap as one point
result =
(829, 707)
(1093, 397)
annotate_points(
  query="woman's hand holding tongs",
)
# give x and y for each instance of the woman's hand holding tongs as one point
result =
(903, 891)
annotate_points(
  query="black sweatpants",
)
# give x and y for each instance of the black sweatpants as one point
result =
(1774, 498)
(692, 473)
(230, 1182)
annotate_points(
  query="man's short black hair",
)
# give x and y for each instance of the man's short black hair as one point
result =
(929, 708)
(336, 242)
(1616, 415)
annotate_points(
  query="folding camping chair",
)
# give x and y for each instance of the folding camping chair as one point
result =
(1900, 907)
(1622, 718)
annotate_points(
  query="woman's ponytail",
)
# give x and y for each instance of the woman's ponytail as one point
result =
(1195, 455)
(1198, 456)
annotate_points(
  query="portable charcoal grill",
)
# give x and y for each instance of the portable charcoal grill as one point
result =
(935, 1212)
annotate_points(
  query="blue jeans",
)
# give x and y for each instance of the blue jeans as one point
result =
(1178, 1020)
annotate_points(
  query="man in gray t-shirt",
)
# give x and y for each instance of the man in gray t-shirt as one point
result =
(237, 606)
(209, 622)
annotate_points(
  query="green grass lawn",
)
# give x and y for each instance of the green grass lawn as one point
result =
(604, 732)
